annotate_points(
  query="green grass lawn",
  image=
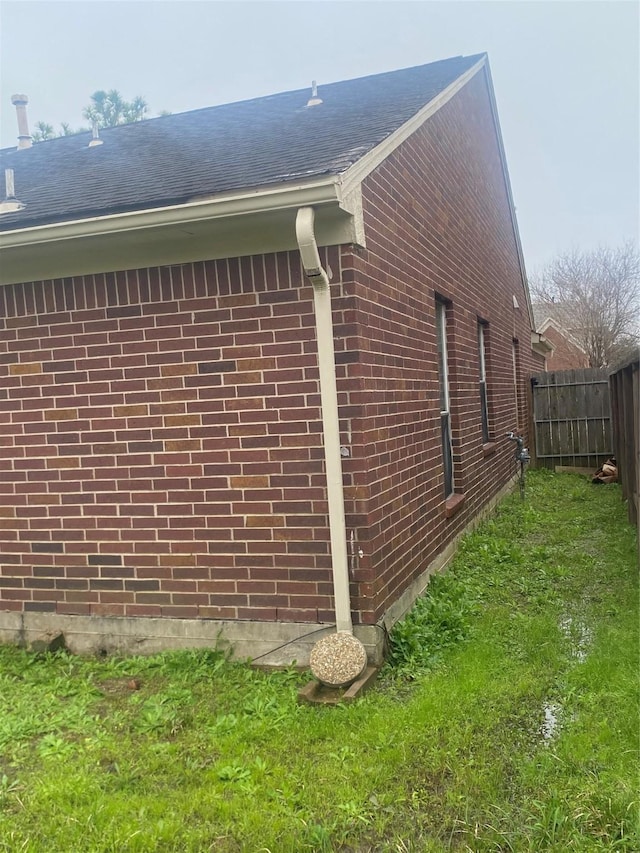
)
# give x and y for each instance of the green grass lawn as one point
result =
(506, 719)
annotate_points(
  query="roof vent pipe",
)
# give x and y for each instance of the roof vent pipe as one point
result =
(10, 203)
(24, 137)
(96, 136)
(9, 183)
(314, 100)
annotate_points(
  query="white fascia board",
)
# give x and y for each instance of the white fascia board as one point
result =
(237, 204)
(228, 237)
(551, 323)
(248, 223)
(355, 174)
(542, 328)
(540, 344)
(507, 183)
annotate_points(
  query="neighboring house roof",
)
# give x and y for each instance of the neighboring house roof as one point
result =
(548, 315)
(545, 312)
(250, 144)
(540, 313)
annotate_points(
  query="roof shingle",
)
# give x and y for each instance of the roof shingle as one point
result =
(178, 158)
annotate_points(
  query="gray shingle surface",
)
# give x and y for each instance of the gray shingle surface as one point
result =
(198, 154)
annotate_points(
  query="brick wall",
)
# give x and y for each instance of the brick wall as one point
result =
(160, 443)
(160, 431)
(437, 223)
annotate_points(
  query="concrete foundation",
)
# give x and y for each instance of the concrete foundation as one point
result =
(266, 643)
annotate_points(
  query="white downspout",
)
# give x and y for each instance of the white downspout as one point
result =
(330, 423)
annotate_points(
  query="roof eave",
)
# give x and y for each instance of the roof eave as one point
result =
(358, 172)
(551, 322)
(215, 207)
(512, 207)
(540, 344)
(248, 222)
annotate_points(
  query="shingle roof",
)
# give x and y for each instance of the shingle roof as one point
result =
(540, 313)
(561, 316)
(548, 311)
(178, 158)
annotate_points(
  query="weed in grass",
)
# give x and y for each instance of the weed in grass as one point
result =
(224, 724)
(343, 756)
(52, 746)
(156, 717)
(8, 789)
(234, 773)
(439, 620)
(317, 838)
(353, 812)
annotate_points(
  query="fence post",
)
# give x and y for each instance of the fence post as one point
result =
(625, 399)
(531, 427)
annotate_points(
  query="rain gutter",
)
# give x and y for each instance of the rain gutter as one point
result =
(236, 204)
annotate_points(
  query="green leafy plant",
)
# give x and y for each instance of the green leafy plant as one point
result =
(234, 773)
(440, 619)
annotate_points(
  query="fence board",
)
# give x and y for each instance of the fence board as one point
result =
(625, 414)
(571, 414)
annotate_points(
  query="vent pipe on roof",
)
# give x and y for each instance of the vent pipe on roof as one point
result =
(10, 203)
(314, 100)
(24, 137)
(96, 136)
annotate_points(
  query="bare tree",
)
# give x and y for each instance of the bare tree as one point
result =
(595, 296)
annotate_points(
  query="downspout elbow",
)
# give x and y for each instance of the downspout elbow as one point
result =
(305, 235)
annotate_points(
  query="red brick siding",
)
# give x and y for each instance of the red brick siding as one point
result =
(160, 443)
(437, 222)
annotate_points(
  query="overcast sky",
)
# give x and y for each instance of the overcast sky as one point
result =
(566, 76)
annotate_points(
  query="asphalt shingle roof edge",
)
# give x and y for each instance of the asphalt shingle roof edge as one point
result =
(215, 150)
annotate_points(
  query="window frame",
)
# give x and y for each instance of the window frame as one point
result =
(442, 317)
(515, 355)
(484, 394)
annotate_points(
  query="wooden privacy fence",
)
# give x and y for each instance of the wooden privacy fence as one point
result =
(571, 418)
(624, 384)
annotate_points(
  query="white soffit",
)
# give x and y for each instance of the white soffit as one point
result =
(240, 224)
(235, 204)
